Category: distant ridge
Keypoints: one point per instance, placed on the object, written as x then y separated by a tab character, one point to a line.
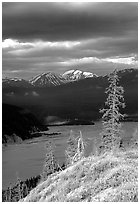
18	121
79	99
48	79
15	82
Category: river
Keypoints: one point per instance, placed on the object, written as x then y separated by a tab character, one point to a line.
26	159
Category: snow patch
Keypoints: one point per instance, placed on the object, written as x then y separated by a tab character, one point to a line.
77	72
34	93
69	72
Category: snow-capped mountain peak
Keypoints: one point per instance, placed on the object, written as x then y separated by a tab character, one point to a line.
89	74
48	79
77	75
69	72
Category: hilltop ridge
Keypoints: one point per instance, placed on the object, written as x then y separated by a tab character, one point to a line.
105	178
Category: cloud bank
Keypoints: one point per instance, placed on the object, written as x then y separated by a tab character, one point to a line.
58	36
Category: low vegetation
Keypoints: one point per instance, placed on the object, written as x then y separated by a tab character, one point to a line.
109	177
20	190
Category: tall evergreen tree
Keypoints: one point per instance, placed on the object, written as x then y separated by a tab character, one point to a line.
50	164
80	148
111	133
71	149
75	149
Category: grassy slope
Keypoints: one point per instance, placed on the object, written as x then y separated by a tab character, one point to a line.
109	177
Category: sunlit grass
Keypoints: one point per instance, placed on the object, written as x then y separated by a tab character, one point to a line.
108	177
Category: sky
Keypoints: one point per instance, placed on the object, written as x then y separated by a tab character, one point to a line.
60	36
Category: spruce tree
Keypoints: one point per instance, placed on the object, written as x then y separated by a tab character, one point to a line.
50	164
111	133
75	149
80	148
19	188
134	139
71	149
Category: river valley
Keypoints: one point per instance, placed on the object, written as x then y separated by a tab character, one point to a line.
26	160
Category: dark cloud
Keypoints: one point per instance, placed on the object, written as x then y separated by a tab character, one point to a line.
61	36
67	21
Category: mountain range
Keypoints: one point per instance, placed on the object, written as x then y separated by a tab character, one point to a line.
50	99
48	79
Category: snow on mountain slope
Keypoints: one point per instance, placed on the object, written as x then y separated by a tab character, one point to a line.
77	75
48	79
89	74
52	79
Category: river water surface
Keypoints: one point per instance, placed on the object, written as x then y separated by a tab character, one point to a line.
26	160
